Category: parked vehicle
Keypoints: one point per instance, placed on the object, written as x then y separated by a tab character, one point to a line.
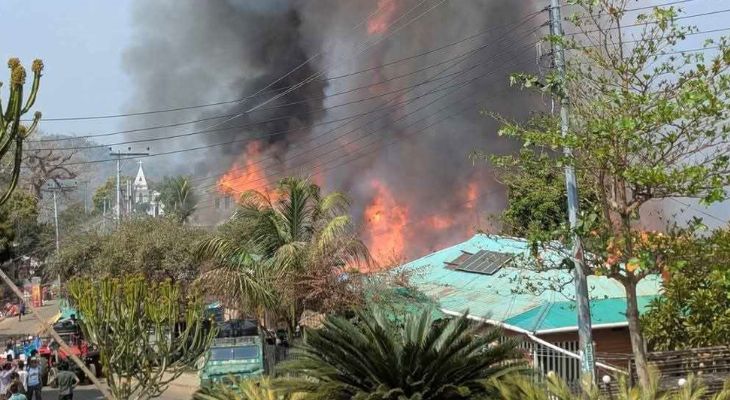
52	353
236	353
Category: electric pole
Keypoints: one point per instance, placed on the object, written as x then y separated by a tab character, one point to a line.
86	192
54	190
585	334
119	155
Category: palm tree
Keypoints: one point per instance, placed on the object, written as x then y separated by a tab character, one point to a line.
178	198
380	358
281	238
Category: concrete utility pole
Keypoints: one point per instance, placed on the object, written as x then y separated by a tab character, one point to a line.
86	193
585	334
54	190
119	155
55	218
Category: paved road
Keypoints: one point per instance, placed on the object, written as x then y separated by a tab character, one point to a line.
11	327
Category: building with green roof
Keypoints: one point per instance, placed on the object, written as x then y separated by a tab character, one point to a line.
483	276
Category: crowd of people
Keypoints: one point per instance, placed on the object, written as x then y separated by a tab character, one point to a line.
21	382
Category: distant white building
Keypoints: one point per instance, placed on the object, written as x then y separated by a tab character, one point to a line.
141	194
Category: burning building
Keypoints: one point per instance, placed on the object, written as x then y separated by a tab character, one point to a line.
378	99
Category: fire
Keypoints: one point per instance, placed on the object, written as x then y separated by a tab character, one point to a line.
472	193
379	22
246	174
440	222
385	223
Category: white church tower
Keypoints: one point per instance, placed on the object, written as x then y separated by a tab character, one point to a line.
141	193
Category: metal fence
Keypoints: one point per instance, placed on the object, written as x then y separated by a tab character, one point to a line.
545	360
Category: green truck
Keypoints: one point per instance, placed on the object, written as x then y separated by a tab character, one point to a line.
232	357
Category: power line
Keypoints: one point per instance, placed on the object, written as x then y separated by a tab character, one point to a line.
244	139
278	106
650	22
699	210
318	74
369	134
437	64
336	77
334	139
359	156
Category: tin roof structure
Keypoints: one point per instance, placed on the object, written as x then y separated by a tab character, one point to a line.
478	276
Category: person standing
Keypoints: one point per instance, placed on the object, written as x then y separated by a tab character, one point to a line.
23	376
6	377
14	392
67	381
33	381
21	312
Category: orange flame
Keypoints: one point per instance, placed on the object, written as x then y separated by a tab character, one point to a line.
385	222
440	222
379	22
246	174
472	193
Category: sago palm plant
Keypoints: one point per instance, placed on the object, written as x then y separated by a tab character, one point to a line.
246	389
377	357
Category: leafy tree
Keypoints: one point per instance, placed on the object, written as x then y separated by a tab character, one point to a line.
157	248
107	192
12	132
536	195
694	309
147	333
178	197
18	225
377	358
282	245
645	124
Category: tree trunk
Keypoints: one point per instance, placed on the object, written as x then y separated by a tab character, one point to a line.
637	338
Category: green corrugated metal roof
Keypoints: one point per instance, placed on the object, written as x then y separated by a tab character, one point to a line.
502	296
562	314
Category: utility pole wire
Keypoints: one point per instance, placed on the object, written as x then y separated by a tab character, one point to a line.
119	158
54	190
321	79
585	333
458	60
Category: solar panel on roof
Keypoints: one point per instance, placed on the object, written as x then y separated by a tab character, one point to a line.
484	262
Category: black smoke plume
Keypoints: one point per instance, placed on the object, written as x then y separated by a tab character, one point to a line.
192	52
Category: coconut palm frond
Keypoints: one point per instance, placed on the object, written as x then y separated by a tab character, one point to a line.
219	248
288	257
244	282
334	203
304	240
254	200
335	229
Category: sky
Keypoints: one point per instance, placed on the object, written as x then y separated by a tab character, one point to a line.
82	43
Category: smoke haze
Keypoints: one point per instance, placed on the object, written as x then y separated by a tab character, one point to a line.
413	189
